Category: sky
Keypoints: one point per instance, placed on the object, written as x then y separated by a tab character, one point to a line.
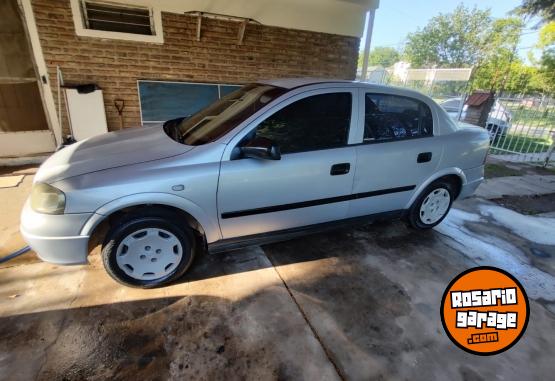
397	18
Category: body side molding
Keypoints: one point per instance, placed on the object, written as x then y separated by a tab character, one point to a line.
306	204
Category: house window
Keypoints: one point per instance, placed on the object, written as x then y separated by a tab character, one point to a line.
117	18
165	100
101	19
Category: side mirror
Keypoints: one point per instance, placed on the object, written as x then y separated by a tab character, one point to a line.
261	148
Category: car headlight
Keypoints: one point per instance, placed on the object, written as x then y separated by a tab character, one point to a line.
47	199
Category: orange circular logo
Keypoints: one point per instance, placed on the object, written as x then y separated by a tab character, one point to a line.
485	310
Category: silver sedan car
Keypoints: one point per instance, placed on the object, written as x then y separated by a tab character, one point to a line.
269	161
499	117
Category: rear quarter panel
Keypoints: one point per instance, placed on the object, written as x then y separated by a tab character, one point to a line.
465	148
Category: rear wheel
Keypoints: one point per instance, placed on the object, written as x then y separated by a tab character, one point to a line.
431	207
148	251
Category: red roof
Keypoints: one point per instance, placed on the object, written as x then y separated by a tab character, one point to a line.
478	98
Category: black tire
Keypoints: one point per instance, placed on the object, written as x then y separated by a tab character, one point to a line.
135	223
413	215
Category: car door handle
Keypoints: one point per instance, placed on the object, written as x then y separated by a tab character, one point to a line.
424	157
340	169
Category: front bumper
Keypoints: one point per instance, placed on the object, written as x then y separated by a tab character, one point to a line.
55	238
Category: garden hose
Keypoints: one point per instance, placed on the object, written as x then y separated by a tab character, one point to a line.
17	253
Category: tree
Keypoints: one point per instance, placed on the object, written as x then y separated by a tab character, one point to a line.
547	35
383	56
499	61
547	61
543	8
470	38
454	39
517	78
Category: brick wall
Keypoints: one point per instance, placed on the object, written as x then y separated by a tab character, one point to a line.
117	65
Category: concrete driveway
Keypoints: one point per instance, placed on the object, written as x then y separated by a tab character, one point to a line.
353	304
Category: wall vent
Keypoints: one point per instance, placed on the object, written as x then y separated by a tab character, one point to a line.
117	18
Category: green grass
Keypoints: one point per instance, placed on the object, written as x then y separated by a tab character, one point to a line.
520	143
498	170
532	116
538	118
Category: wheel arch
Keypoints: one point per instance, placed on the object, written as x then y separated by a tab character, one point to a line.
179	206
454	175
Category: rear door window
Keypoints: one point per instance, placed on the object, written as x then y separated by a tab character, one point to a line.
392	117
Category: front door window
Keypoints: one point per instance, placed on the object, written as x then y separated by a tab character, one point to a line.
312	123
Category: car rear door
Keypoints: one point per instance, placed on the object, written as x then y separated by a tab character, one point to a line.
397	152
311	183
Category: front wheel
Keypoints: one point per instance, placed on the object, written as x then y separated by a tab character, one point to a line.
431	207
148	251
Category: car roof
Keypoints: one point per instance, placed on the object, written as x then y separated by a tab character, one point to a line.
293	83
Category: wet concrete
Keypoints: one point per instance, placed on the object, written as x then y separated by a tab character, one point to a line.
375	302
528	204
239	326
354	304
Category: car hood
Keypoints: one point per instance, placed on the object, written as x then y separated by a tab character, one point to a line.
114	149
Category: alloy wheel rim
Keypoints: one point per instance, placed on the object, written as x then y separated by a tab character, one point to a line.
148	254
435	206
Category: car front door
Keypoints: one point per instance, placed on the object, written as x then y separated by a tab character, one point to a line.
312	181
397	152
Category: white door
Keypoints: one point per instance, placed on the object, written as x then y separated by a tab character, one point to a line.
23	126
311	183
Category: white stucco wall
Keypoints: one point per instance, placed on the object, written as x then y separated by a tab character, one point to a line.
343	17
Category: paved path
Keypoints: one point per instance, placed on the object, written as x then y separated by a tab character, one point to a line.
522	158
527	185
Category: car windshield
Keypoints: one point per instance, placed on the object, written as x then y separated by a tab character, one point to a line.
450	104
225	114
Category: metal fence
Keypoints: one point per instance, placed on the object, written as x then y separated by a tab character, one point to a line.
522	127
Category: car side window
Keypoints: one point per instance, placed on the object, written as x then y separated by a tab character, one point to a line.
392	117
312	123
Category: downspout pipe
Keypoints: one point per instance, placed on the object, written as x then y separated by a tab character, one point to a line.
369	28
